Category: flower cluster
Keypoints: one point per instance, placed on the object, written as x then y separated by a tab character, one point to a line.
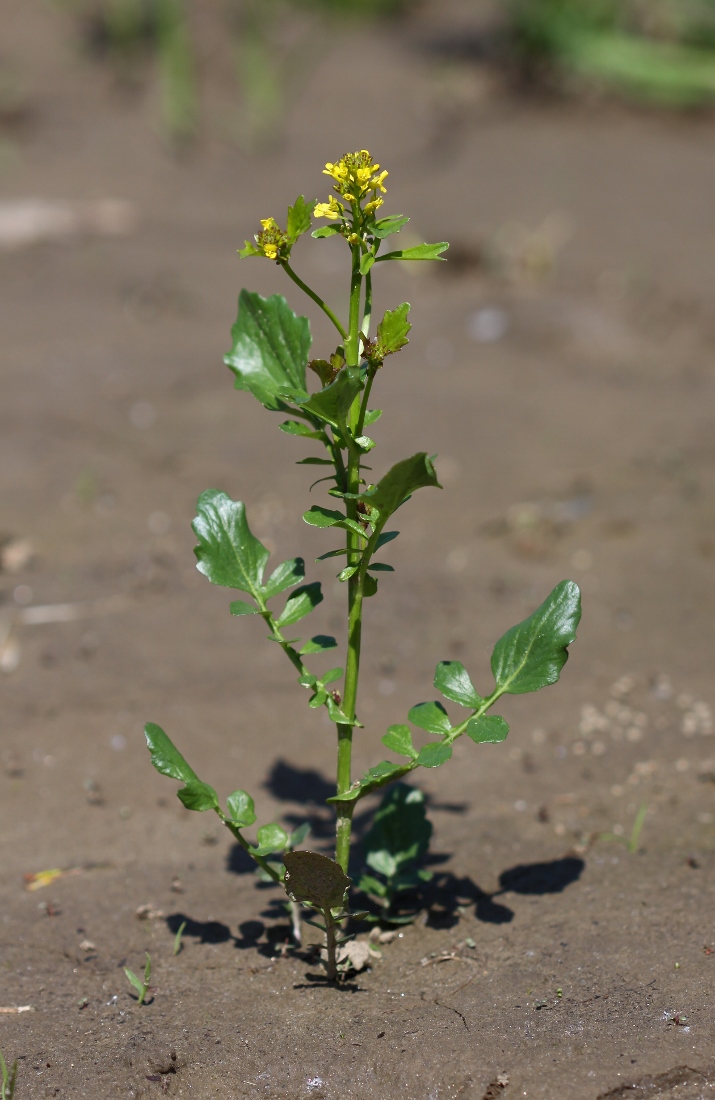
356	177
271	239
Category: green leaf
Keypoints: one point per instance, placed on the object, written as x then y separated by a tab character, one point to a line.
241	809
381	567
369	587
400	482
337	715
431	717
312	461
452	679
531	655
198	796
399	739
372	415
300	603
285	576
136	982
385	227
249	249
400	833
333	554
318	699
298	835
348	572
240	607
316	879
366	262
271	838
392	330
270	348
379	776
294	427
228	553
331	676
165	757
318	644
299	218
317	516
419	252
370	885
490	729
325	231
434	754
364	443
332	403
385	537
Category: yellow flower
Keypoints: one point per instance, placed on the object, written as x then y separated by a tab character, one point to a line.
370	207
271	239
355	175
331	209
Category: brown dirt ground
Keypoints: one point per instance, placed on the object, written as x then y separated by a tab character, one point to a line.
578	444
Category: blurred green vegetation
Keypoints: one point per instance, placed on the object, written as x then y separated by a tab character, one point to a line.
654	51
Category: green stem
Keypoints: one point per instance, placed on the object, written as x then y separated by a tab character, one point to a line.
365	399
316	298
236	833
331	965
367	312
343	827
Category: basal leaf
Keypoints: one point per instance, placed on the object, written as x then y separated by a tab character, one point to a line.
385	227
400	482
399	739
299	218
228	553
241	808
270	348
434	754
393	328
165	757
240	607
490	729
431	717
285	576
316	879
419	252
198	796
318	644
300	603
452	679
531	655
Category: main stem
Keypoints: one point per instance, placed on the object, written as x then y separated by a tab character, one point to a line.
343	827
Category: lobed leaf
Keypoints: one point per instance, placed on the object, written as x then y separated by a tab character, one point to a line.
452	679
270	348
316	879
399	483
393	328
399	739
300	603
490	729
431	717
285	576
419	252
228	553
531	655
241	809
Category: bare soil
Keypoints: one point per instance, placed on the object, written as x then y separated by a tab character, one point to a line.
577	442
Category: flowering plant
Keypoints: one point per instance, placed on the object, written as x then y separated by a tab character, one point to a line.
269	358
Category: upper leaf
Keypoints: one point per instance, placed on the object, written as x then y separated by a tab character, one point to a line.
392	330
299	218
431	717
385	227
241	808
270	348
531	655
228	554
316	879
285	576
165	757
300	603
419	252
400	482
332	403
452	679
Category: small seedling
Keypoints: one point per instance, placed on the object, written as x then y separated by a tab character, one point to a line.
142	987
397	841
631	842
177	938
269	358
9	1079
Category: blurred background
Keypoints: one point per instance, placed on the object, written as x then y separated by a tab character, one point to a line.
561	364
